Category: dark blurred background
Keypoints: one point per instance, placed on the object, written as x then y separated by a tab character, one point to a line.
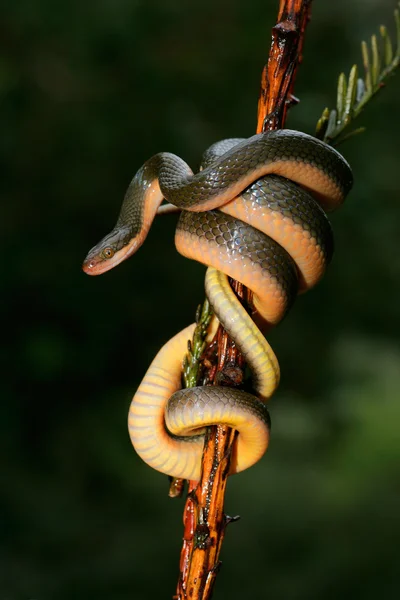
89	91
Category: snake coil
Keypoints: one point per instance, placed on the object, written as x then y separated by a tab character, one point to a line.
270	232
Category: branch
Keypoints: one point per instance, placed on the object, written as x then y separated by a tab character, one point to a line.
204	518
354	93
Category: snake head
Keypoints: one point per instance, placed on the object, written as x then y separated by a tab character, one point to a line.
109	252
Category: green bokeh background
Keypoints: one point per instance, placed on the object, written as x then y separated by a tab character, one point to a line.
90	90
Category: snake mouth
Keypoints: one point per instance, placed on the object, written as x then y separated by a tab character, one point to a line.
98	265
92	267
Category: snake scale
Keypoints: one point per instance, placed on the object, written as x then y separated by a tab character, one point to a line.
255	212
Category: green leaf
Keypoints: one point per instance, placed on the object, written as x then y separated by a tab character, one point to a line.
322	124
341	96
331	125
192	360
376	63
367	66
350	94
387	45
397	20
354	94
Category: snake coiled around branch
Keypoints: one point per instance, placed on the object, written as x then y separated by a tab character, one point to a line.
254	213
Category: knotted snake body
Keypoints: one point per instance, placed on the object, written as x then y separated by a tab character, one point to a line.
271	234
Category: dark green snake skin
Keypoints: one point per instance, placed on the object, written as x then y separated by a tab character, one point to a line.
289	199
240	241
189	402
225	164
185	190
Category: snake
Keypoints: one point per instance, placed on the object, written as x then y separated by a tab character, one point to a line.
255	212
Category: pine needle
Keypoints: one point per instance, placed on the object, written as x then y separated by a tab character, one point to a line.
354	93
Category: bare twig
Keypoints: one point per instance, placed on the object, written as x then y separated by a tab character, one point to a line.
204	518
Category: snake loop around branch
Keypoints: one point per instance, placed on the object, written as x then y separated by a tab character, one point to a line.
253	213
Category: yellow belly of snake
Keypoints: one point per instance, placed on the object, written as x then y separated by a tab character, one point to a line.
271	234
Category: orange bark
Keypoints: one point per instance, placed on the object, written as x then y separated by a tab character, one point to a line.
204	519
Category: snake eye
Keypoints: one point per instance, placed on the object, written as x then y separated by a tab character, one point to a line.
107	253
